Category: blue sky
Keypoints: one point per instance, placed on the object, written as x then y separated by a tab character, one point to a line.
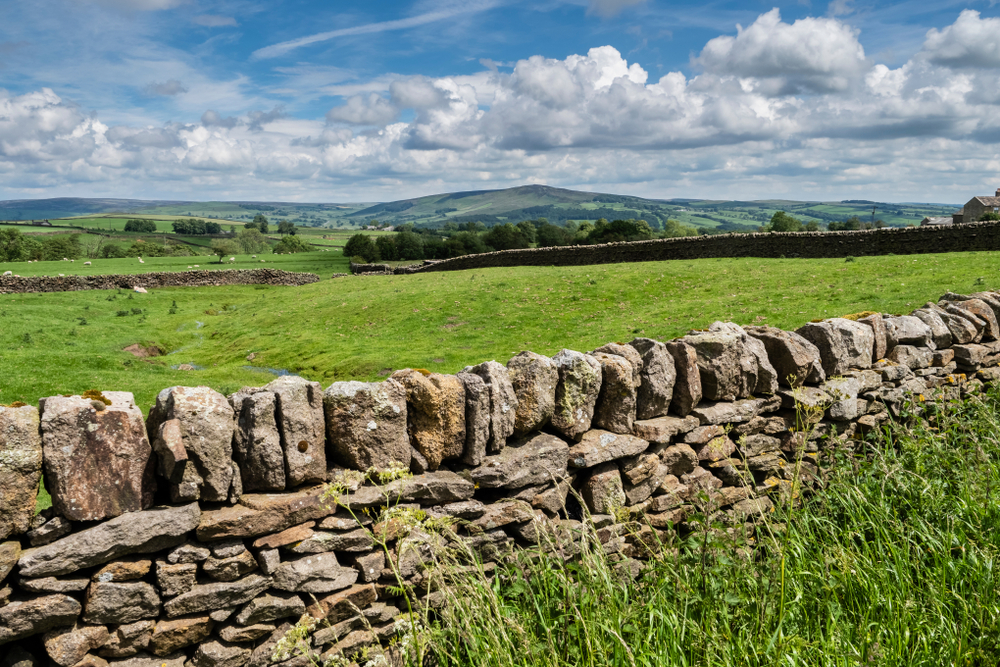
364	101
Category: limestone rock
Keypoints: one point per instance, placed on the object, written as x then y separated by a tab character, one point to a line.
687	387
526	462
145	660
366	424
477	418
220	654
503	513
735	412
114	603
302	428
603	491
679	459
207	427
20	469
795	359
715	449
313	574
236	634
294	534
534	378
18	657
352	541
983	311
911	356
208	597
68	646
10	552
880	344
907	330
98	462
174	464
656	379
599	446
615	409
640	467
53	585
662	429
627	352
264	513
842	344
435	414
128	639
977	323
844	392
731	363
23	619
576	392
172	635
639	491
503	402
271	607
257	445
124	570
940	333
132	533
231	568
176	578
49	531
970	355
188	553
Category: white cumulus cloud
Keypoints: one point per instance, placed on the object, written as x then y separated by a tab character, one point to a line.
971	41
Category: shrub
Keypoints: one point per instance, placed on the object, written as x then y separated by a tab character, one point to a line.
290	244
361	245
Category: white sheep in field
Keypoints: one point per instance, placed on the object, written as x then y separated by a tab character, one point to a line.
140	261
86	263
232	259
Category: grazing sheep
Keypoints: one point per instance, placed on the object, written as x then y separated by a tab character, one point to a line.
8	273
86	263
253	256
140	290
140	261
197	266
232	259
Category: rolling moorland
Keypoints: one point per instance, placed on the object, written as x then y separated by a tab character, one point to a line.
490	207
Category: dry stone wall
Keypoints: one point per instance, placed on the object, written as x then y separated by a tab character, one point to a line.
899	241
12	284
199	536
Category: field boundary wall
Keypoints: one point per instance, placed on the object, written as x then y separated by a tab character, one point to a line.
202	533
13	284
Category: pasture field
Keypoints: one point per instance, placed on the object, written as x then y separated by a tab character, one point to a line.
364	327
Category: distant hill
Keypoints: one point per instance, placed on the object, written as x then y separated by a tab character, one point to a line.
526	202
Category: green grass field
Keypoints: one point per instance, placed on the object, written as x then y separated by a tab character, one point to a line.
363	327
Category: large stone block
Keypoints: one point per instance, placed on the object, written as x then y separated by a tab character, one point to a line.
940	333
113	603
132	533
983	311
527	462
98	462
603	491
209	597
687	388
31	617
68	646
880	344
907	330
656	379
207	426
257	444
615	409
503	402
174	464
534	378
477	418
794	358
263	513
317	573
598	446
842	344
302	428
731	364
576	392
435	414
20	468
366	424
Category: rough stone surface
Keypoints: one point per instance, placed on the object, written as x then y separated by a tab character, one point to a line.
318	573
352	541
23	619
576	392
602	490
842	344
53	585
656	379
124	570
880	343
172	635
639	491
687	387
98	462
239	634
940	333
271	607
961	329
679	459
114	603
294	534
257	445
844	392
231	568
175	578
220	654
912	357
503	402
477	418
133	533
534	378
794	358
732	364
615	410
366	424
174	463
49	531
663	429
435	414
188	553
264	513
734	412
526	462
68	646
598	446
128	639
207	427
208	597
20	468
907	330
145	660
10	552
302	428
985	312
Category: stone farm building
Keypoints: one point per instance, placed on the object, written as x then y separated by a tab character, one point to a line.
976	207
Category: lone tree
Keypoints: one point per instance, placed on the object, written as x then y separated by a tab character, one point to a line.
259	223
285	227
782	222
223	248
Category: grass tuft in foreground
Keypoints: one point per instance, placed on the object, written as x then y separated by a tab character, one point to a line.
893	563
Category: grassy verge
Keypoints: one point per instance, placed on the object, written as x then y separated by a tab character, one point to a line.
363	327
893	563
